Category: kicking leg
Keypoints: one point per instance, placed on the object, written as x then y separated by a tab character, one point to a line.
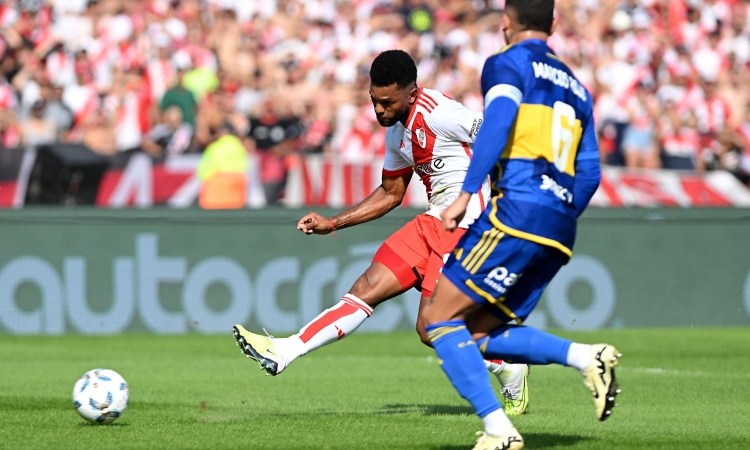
373	287
397	266
376	285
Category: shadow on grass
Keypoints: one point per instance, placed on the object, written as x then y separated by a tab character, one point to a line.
26	403
103	425
534	440
427	410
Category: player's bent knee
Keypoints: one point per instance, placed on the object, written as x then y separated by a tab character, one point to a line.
479	335
376	285
423	333
430	315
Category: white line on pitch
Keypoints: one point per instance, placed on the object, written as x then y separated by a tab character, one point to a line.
681	373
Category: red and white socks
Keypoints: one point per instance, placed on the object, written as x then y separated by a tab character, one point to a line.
331	325
337	322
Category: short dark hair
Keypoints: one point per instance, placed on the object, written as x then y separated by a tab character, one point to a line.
534	15
393	66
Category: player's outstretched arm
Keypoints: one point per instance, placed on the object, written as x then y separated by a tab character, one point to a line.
387	196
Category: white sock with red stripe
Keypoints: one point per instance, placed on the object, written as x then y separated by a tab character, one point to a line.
330	326
495	365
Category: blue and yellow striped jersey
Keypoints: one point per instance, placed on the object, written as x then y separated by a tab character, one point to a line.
550	145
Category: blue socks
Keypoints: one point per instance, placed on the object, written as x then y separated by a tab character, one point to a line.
463	363
525	345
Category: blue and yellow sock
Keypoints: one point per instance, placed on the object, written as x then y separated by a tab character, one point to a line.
461	361
525	345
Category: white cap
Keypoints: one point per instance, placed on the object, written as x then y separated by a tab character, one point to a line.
120	28
621	21
708	66
175	28
182	60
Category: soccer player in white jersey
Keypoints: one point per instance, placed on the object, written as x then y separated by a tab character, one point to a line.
431	135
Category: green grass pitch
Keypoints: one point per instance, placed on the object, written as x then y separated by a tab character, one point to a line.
682	388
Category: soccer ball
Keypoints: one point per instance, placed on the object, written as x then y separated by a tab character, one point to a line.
101	395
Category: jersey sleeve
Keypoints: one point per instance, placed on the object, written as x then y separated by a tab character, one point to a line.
394	164
501	86
501	79
457	122
588	169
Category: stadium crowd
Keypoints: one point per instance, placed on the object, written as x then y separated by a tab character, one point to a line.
670	78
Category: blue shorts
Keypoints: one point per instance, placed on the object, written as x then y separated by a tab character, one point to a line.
505	274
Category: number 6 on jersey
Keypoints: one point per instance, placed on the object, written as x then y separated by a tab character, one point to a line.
566	133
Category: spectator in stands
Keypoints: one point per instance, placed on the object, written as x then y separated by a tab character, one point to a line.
80	97
273	134
172	137
99	133
736	148
639	146
712	113
10	134
28	80
223	172
316	131
128	104
36	129
178	96
216	109
56	110
249	95
681	145
365	140
312	57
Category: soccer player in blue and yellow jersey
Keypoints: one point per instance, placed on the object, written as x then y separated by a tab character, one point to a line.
539	147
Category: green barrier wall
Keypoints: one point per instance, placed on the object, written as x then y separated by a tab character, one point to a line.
176	271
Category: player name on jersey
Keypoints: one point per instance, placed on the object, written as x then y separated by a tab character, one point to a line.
559	78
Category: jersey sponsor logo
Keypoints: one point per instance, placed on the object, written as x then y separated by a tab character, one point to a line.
430	167
403	145
500	279
475	127
467	343
548	184
421	137
559	78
